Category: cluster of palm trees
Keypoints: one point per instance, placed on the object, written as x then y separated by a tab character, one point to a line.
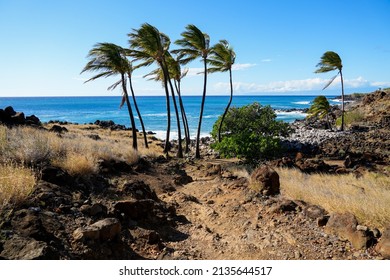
147	46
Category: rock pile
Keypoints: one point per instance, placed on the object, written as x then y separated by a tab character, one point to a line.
10	117
110	125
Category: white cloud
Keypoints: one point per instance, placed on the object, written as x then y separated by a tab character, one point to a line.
242	66
194	71
380	84
266	60
80	79
297	85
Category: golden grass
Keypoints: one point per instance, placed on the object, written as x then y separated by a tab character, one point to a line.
16	183
74	151
77	164
368	197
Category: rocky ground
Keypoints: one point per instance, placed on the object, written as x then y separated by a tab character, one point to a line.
167	208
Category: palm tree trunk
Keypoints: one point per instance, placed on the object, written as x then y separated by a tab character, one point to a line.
133	128
167	143
180	147
342	101
227	107
184	117
138	112
197	151
328	121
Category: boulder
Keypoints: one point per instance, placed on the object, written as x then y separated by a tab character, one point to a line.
135	209
56	175
25	248
18	118
345	226
314	212
9	111
95	209
58	129
313	166
342	225
33	120
113	166
265	180
383	246
283	206
139	190
103	230
36	223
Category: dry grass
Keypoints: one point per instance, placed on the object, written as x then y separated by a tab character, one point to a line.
74	151
78	164
368	197
16	183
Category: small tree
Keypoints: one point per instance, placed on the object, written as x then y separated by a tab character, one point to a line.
222	59
251	132
331	61
320	109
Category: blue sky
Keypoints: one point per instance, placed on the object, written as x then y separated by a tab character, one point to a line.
278	43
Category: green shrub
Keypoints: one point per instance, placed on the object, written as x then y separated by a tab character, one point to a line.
251	132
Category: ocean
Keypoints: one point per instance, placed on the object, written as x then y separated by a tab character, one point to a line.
153	109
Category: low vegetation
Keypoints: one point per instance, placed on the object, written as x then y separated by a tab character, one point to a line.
351	117
366	197
16	183
25	150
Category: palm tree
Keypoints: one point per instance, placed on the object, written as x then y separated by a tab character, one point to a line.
176	74
150	45
129	76
320	109
195	44
222	58
331	61
109	60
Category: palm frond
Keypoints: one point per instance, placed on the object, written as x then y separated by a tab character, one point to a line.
330	81
114	85
194	43
100	75
329	61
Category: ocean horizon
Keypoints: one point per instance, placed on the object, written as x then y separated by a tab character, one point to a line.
88	109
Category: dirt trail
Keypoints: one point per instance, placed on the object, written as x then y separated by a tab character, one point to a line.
228	220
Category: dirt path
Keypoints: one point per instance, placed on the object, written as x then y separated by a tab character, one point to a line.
228	220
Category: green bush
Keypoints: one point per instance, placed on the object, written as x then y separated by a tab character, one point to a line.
251	132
